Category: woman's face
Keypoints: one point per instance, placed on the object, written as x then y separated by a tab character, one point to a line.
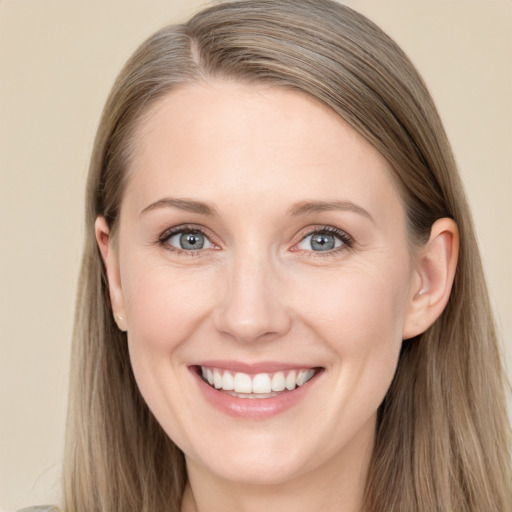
262	243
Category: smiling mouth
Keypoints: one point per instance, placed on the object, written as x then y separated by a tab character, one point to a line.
260	385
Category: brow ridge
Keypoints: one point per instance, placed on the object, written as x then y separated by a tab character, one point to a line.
189	205
309	207
298	209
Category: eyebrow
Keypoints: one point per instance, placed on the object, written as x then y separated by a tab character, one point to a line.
309	207
188	205
298	209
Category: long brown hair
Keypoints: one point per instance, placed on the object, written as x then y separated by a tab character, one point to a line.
442	441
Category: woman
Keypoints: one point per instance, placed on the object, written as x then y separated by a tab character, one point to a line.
281	301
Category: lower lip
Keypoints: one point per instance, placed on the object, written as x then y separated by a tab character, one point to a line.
253	408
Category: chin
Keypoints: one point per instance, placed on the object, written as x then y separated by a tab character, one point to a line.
257	472
257	461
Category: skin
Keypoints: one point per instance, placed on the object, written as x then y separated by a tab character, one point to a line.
260	292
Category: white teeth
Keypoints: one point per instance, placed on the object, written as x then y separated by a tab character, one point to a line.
243	383
303	377
291	380
228	382
217	379
261	383
278	382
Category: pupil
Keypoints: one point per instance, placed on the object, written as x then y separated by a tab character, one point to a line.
322	242
191	241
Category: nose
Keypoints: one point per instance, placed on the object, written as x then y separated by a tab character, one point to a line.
251	306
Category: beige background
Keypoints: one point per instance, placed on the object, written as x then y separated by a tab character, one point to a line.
58	60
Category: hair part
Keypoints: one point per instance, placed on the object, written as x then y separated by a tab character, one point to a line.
442	440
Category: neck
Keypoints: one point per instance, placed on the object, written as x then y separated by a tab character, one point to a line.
336	486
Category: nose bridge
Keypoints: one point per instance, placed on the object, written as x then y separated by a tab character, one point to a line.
252	307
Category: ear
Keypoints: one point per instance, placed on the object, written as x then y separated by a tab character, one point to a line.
433	278
111	263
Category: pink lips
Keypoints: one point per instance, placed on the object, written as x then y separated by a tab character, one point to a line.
246	408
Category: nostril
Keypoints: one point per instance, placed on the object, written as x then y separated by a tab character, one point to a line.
247	336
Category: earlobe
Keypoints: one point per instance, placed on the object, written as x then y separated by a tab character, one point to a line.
111	263
435	271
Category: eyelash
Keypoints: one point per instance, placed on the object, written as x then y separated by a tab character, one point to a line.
345	238
166	235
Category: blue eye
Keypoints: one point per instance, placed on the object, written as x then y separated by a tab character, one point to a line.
188	240
322	241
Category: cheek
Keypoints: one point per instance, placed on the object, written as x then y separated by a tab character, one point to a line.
357	308
164	306
359	315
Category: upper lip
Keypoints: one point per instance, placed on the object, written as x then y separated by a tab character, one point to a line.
254	368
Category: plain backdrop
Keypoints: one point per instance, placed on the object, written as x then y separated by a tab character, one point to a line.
58	60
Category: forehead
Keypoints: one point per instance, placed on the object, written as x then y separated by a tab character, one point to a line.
221	140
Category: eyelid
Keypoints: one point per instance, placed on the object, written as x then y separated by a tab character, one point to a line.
346	239
164	237
343	236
